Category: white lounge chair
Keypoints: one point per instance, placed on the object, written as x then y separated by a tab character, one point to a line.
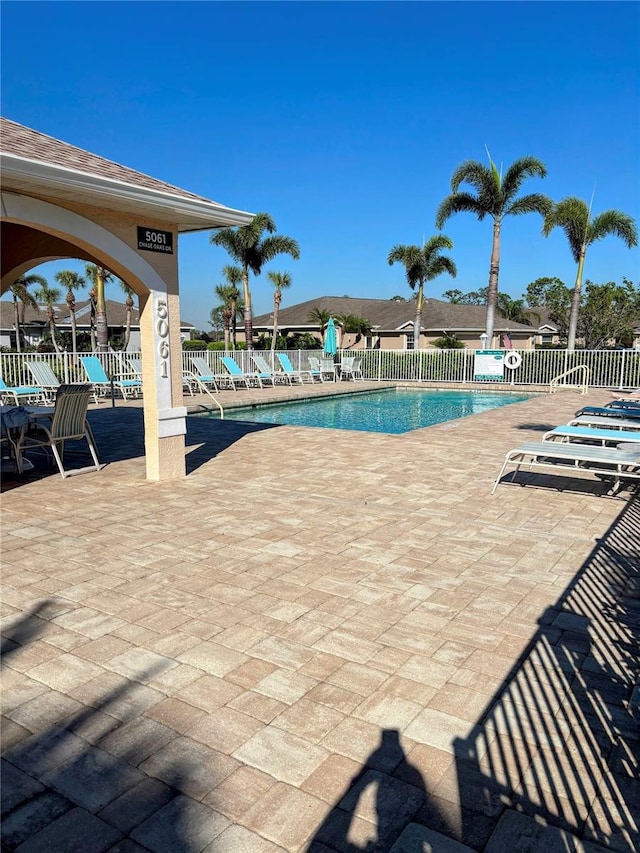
351	368
592	434
45	378
618	464
203	373
606	423
263	367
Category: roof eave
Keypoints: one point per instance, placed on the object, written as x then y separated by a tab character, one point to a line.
190	214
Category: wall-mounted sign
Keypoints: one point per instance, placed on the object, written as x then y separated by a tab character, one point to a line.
154	240
488	364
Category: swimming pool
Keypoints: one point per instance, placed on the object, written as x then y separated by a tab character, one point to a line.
393	411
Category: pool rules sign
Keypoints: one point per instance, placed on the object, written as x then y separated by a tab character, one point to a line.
488	364
154	240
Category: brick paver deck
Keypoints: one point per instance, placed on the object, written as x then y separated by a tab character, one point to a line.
320	640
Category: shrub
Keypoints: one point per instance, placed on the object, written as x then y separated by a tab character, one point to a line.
196	344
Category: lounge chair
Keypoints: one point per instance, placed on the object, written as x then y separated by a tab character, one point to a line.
205	376
189	380
68	423
45	378
289	370
606	423
20	394
592	434
237	375
611	410
102	384
617	464
265	372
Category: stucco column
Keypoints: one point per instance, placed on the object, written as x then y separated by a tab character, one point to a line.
164	414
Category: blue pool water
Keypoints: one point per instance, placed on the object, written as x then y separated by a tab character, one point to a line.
392	411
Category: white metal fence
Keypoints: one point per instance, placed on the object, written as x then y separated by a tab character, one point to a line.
608	368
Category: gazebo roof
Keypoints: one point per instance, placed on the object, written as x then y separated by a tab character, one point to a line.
33	163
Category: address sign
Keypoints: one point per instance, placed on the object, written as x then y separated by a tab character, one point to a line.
154	240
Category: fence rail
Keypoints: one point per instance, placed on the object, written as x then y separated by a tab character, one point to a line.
607	368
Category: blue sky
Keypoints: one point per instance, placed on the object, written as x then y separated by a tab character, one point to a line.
344	121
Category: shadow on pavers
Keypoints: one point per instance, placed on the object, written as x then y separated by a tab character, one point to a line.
553	760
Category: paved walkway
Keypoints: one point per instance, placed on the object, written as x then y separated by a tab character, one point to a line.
320	641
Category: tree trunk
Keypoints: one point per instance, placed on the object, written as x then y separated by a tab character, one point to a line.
248	318
102	330
17	324
127	331
234	317
492	293
575	304
74	341
52	327
92	328
226	325
276	310
418	318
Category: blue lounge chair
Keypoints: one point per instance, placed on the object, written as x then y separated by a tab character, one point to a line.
205	376
102	384
611	411
20	394
584	433
237	375
289	370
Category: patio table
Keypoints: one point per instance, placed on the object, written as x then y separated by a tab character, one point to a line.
14	421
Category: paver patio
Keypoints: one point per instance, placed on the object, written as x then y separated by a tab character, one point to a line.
320	641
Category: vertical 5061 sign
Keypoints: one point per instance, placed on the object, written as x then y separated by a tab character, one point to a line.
162	331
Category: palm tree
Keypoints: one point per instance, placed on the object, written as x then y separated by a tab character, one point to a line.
350	324
50	295
423	263
23	298
280	281
252	251
321	317
495	197
233	279
574	217
99	276
129	305
224	292
513	309
72	281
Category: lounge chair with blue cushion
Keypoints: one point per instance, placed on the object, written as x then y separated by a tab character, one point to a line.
20	394
289	370
611	410
611	463
316	368
237	375
102	384
204	374
592	434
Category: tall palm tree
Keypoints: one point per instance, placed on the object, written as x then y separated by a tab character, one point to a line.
129	306
233	280
280	282
23	298
574	217
422	264
249	248
50	295
495	197
72	281
513	309
99	277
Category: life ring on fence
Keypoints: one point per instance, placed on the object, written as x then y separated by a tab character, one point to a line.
512	359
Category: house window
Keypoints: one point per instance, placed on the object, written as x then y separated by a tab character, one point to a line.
410	342
368	342
546	339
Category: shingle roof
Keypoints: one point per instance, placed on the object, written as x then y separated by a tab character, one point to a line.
30	144
387	315
116	314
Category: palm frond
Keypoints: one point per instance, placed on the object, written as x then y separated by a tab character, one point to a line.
616	223
532	203
518	172
459	203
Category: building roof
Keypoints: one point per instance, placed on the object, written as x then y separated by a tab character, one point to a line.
116	315
36	164
386	315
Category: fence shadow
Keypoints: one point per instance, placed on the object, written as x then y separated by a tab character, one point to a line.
557	742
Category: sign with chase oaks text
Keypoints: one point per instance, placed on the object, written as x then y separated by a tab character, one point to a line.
154	240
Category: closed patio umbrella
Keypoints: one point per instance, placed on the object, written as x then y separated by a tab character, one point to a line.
330	339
